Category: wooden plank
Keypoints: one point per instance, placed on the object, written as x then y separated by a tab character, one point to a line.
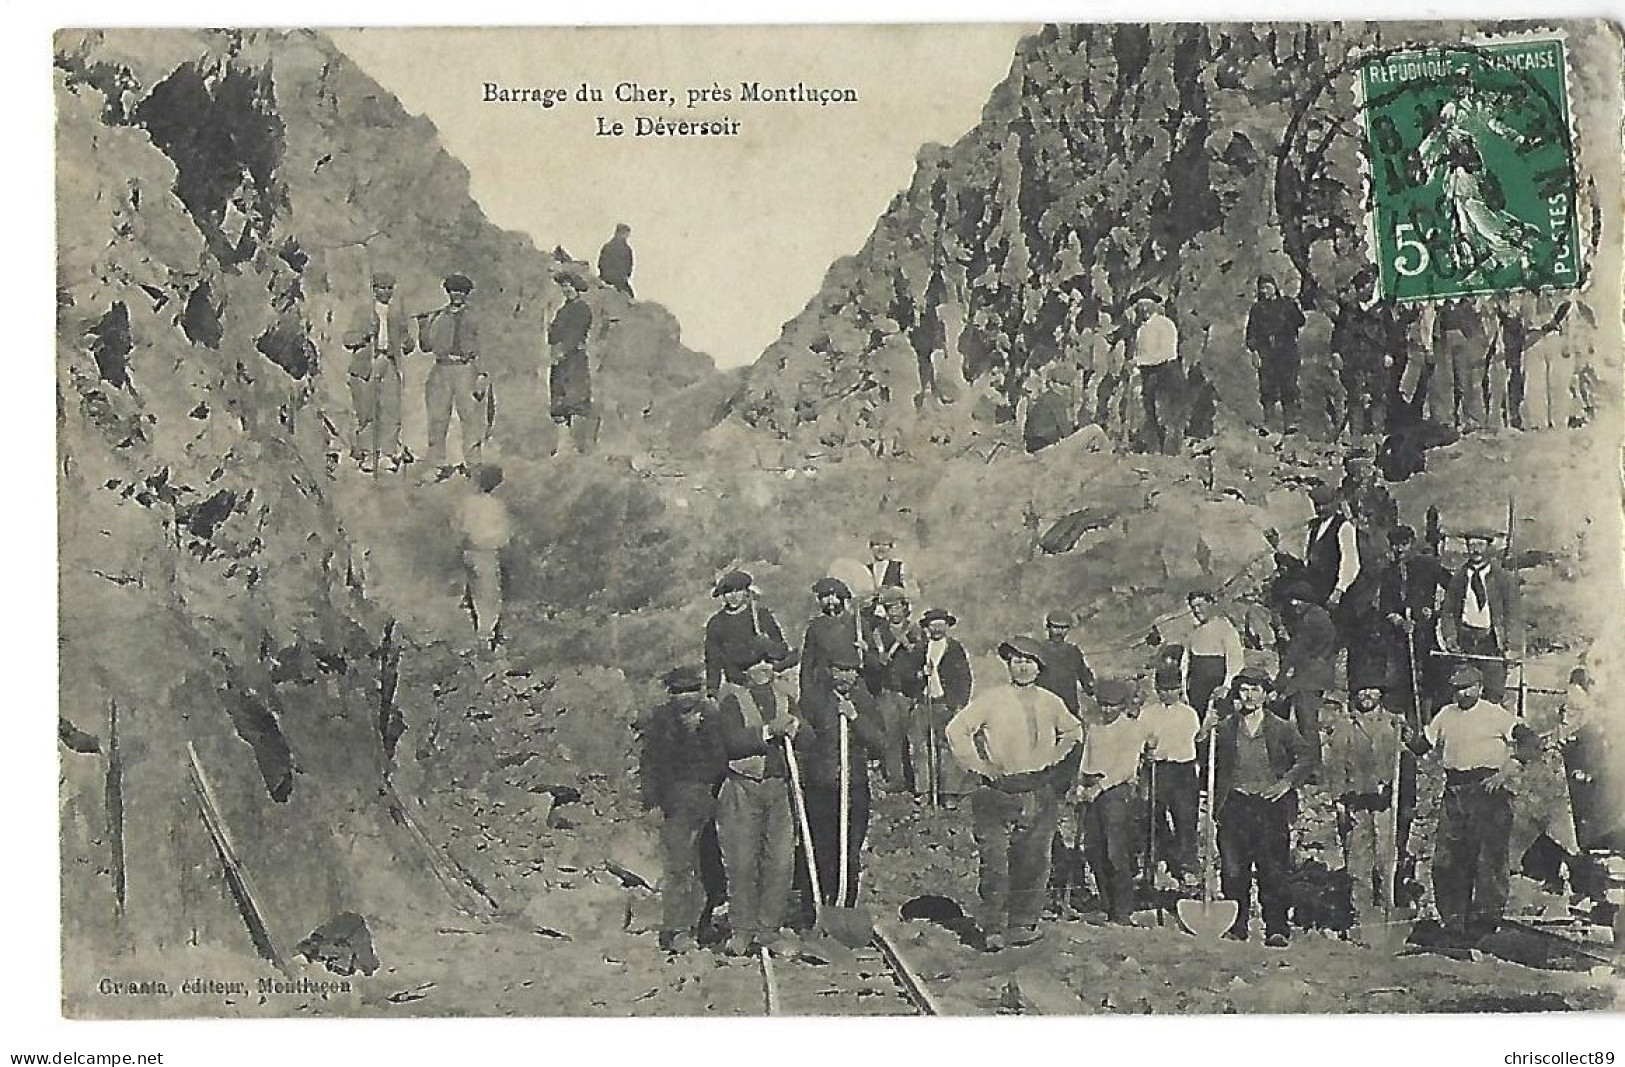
913	986
770	983
466	893
113	798
259	931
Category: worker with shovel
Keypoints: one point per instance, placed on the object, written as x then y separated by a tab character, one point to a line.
846	732
1016	737
1112	748
1361	772
756	722
1259	763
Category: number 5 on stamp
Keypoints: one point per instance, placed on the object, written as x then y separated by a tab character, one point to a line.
1471	169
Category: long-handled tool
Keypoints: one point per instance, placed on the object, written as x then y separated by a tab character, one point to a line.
1208	918
800	799
933	754
1151	838
843	920
1395	930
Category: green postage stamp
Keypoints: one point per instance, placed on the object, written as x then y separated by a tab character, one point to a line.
1472	169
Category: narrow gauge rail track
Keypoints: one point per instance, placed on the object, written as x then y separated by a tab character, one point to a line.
879	977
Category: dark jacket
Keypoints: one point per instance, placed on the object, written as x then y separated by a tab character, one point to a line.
450	336
615	260
1309	661
825	636
1065	672
885	642
1272	327
676	760
1323	556
729	637
570	326
954	670
741	741
1412	587
1502	588
1290	757
865	734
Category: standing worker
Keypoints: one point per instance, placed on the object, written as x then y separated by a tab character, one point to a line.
1171	726
569	377
942	687
1065	672
1156	358
380	339
1112	749
1213	654
887	637
756	720
834	633
683	756
486	529
1477	741
1362	754
1260	762
1016	738
1308	660
837	703
615	261
1273	323
451	335
1481	613
732	632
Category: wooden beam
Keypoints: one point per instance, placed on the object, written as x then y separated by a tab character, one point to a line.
236	877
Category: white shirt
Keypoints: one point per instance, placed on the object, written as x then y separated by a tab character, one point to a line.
1476	612
380	312
1156	341
1348	549
935	648
1112	750
1174	726
1011	730
1469	738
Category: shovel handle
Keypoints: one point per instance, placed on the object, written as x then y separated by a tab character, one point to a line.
846	812
800	798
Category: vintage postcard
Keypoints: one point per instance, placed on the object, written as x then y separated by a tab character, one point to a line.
866	520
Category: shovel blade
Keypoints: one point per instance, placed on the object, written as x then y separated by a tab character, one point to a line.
1206	919
852	927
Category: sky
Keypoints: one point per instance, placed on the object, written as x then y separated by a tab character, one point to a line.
733	235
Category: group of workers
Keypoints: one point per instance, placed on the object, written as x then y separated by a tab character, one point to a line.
380	336
768	745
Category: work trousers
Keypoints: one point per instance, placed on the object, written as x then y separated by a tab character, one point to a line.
758	851
823	814
484	588
892	708
1471	870
1255	842
1548	400
451	386
1174	802
1159	390
1476	642
1456	386
377	403
928	750
682	891
1013	832
1367	855
1304	706
1109	844
1203	676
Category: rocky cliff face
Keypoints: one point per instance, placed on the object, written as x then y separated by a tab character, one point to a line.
1183	161
223	200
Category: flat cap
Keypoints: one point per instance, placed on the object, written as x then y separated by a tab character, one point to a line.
1023	646
383	278
1468	675
1059	617
569	277
732	582
1367	680
1321	493
1168	678
831	586
882	537
1401	535
845	658
940	613
1481	533
458	283
891	594
1112	692
684	679
1255	676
